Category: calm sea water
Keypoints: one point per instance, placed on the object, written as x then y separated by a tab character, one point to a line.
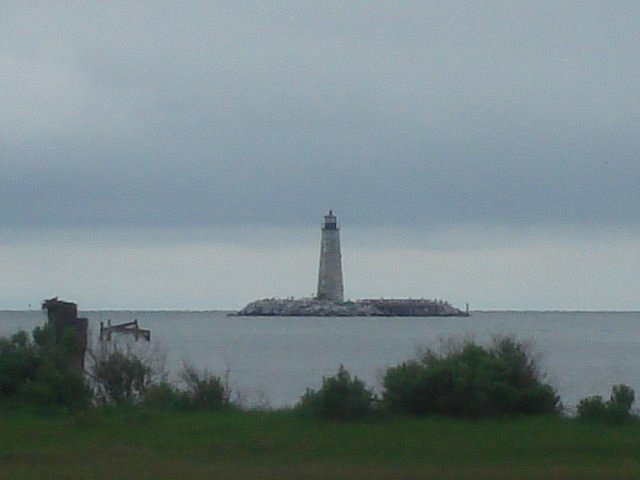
274	359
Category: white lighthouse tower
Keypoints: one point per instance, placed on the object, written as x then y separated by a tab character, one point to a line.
330	273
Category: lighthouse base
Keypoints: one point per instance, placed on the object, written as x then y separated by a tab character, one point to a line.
312	307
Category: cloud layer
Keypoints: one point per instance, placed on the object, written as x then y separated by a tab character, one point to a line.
417	114
165	155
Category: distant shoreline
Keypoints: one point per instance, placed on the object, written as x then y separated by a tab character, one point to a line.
232	310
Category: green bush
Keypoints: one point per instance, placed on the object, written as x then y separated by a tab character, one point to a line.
593	407
164	396
615	410
20	362
340	397
470	381
56	388
122	376
622	398
204	390
36	371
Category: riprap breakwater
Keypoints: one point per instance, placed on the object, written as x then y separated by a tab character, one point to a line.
312	307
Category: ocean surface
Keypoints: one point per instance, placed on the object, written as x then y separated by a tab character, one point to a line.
272	360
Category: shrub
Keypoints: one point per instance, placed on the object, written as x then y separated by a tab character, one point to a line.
340	397
20	361
204	390
56	388
622	398
122	376
163	396
593	407
36	371
470	381
615	410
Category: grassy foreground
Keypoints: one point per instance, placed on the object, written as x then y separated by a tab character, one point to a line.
280	445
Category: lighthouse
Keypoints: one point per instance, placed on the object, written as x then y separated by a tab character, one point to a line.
330	273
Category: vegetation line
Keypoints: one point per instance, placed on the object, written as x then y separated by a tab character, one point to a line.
467	412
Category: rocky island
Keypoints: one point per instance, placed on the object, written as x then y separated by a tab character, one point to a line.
329	301
313	307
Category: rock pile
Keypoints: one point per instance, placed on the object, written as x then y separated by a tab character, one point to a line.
312	307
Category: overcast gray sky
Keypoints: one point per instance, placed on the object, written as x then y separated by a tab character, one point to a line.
181	154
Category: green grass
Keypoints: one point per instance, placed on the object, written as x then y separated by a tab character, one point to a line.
280	445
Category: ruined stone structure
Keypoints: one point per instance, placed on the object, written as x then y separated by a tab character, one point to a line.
330	285
63	317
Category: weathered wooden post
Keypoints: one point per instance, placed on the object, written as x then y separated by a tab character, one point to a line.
63	317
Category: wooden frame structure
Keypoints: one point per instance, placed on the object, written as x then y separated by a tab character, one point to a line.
130	328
